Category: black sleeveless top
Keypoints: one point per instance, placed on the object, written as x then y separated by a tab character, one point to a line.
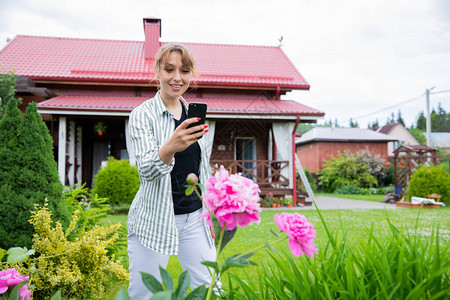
186	161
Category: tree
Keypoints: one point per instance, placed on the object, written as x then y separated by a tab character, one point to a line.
421	123
28	175
336	123
7	90
418	135
439	120
353	124
399	118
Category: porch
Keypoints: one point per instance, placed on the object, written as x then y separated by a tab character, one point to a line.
271	175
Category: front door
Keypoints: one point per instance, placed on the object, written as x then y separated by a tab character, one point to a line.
100	154
246	150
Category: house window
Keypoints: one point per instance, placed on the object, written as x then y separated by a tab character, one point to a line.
395	144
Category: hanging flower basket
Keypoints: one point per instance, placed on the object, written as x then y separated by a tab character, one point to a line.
100	127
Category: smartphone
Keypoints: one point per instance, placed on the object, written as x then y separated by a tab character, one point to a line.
197	110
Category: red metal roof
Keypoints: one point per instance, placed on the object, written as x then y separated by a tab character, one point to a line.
50	58
215	106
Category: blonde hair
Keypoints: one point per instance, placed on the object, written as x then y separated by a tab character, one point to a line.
186	57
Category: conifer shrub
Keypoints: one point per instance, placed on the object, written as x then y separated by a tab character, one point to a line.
28	175
429	180
118	181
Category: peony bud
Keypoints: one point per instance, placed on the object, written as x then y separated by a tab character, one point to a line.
192	179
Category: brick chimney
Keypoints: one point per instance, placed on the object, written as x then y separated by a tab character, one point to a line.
152	31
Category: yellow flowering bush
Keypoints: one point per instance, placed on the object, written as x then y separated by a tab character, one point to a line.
80	267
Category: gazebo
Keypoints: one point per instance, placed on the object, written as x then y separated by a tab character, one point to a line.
407	159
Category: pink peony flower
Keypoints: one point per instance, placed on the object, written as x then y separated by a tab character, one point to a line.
11	278
233	199
300	232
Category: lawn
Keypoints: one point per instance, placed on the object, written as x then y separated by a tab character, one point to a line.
375	198
352	222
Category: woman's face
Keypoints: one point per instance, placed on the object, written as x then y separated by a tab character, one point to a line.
174	77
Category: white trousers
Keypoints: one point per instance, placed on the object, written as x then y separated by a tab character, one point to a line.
194	248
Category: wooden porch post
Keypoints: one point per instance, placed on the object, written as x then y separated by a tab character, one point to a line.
294	174
62	149
71	152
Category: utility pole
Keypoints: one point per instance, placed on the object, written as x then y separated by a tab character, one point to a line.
428	123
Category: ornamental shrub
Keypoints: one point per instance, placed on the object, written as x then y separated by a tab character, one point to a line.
375	165
28	175
429	180
344	169
118	181
81	268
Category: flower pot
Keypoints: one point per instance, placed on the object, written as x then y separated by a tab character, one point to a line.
100	133
274	205
289	205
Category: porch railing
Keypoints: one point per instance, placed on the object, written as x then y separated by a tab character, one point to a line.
266	173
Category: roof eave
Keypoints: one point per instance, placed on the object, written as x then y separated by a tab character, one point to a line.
148	82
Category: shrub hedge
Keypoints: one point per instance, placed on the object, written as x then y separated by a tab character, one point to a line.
429	180
118	181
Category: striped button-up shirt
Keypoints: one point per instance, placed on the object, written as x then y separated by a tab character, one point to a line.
151	216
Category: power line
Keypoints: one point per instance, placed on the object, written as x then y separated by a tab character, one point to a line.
440	92
384	109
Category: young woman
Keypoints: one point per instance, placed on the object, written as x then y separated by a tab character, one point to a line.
162	220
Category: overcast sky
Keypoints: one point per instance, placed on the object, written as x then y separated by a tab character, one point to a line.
359	56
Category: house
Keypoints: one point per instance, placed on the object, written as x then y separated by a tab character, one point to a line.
440	140
321	143
83	84
399	132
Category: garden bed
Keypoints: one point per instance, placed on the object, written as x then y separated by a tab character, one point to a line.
406	204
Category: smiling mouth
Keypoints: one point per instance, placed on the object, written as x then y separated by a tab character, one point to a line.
176	86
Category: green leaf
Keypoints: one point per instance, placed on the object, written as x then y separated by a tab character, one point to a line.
227	236
2	253
189	190
237	261
163	295
18	254
197	294
122	295
274	233
151	283
14	293
212	264
184	280
166	279
267	245
56	296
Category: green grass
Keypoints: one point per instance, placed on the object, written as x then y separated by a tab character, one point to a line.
353	221
375	198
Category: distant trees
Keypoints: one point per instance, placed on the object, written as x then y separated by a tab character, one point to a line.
353	124
440	120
